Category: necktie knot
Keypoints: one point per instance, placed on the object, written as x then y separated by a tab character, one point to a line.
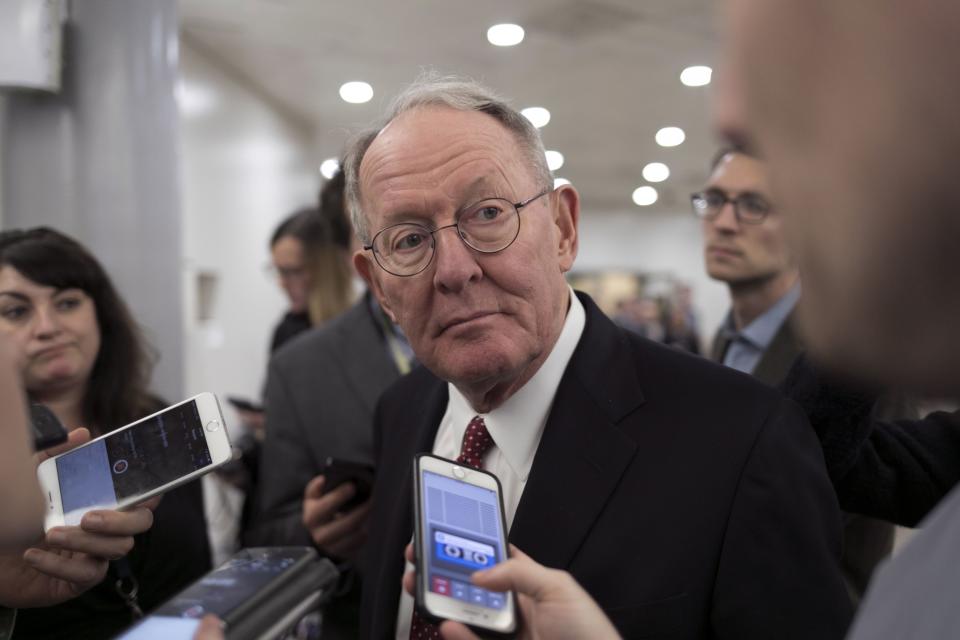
476	443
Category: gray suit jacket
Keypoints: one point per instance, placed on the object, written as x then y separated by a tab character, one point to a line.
322	388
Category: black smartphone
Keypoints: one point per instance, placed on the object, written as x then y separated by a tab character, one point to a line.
245	405
258	593
47	430
459	528
337	471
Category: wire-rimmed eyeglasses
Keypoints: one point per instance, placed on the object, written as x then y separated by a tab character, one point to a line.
488	226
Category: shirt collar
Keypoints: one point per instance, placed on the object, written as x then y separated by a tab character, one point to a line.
764	327
517	424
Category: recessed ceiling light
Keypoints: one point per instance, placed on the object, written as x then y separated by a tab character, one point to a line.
539	116
670	137
329	167
554	160
356	92
559	182
505	35
644	196
698	76
656	172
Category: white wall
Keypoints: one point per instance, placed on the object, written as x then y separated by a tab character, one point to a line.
654	242
245	165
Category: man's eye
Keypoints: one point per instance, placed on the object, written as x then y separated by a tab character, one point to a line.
408	241
754	205
715	200
487	214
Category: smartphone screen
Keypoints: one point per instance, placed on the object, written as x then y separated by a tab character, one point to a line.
219	592
463	532
130	462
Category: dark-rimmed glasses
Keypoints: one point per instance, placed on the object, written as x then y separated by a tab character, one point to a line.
488	226
749	208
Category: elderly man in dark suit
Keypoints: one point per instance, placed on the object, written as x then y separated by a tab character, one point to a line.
688	499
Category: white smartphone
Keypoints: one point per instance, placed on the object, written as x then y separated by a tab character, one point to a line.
459	529
136	462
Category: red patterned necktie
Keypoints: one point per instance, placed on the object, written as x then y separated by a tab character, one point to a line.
476	443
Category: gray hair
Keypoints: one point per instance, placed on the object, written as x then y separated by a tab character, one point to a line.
456	93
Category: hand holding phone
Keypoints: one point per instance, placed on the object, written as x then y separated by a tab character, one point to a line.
134	463
70	560
459	529
335	532
552	603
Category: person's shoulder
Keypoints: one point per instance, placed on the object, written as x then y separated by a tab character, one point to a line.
307	346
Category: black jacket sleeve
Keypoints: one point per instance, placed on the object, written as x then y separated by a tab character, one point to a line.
892	470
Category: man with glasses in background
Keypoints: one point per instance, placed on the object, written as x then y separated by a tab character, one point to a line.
688	499
746	247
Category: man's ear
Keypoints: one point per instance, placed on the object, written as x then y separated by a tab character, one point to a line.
370	272
566	218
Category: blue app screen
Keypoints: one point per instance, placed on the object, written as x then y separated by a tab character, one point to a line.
464	531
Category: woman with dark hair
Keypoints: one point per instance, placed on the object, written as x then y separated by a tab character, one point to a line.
85	358
309	254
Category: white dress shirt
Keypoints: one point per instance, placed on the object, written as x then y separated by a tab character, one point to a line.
515	426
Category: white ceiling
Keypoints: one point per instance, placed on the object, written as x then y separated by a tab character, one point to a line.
608	71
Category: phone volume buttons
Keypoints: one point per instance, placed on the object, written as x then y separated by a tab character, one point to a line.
213	425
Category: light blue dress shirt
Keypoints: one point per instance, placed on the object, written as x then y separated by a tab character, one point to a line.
748	345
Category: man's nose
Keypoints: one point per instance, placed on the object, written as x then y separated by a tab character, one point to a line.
726	220
456	263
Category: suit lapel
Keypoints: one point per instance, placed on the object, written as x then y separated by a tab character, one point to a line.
582	453
779	356
412	430
367	366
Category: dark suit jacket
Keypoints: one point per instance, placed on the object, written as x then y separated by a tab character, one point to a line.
688	499
322	388
866	541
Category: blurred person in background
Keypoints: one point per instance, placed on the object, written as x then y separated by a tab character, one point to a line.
307	254
322	389
746	247
83	356
310	254
681	324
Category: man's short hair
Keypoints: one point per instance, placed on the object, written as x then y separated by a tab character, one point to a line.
456	93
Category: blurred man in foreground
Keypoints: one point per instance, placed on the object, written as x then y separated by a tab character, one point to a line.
824	90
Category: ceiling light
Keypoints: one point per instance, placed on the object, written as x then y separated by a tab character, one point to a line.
554	160
656	172
356	92
559	182
698	76
505	35
644	196
539	116
329	168
670	136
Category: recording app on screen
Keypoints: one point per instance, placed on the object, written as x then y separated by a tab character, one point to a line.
463	525
132	461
